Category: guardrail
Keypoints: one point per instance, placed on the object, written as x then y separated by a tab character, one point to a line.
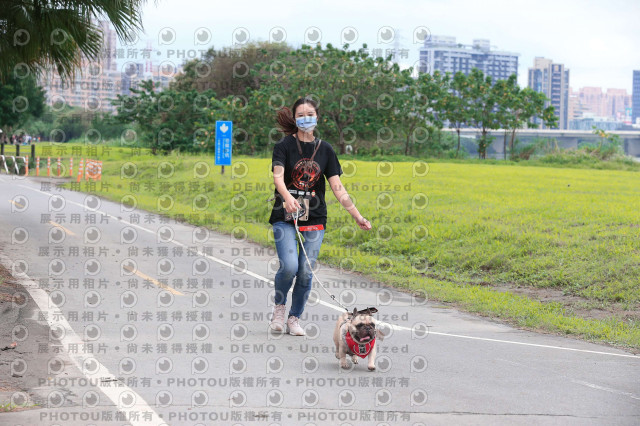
88	169
4	163
14	159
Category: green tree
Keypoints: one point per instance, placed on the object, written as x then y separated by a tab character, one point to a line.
167	119
416	104
528	105
71	123
518	107
21	100
484	114
256	129
348	84
107	126
248	135
40	33
507	92
227	71
455	105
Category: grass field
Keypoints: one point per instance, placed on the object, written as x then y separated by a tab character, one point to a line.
552	249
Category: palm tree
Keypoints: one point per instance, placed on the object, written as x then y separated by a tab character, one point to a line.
44	33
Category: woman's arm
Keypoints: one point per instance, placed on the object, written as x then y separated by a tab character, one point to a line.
343	197
291	204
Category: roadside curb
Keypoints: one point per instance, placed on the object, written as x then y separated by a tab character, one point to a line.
18	316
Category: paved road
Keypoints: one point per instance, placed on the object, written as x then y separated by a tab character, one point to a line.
158	322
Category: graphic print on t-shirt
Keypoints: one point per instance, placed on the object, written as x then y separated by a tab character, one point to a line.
305	174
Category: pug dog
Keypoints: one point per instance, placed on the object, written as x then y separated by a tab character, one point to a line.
355	334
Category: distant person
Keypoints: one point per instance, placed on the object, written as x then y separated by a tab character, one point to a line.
300	164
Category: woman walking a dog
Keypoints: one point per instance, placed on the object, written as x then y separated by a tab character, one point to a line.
300	164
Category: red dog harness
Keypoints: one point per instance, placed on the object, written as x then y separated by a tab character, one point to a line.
360	349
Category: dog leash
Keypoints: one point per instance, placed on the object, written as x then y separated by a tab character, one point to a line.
295	221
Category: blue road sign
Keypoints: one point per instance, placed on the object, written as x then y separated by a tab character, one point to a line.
224	130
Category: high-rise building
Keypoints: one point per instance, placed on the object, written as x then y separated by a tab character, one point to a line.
93	84
132	75
610	104
593	100
134	72
591	105
635	101
98	80
442	53
616	103
552	80
108	57
577	108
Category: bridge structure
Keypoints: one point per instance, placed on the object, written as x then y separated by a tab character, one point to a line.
630	139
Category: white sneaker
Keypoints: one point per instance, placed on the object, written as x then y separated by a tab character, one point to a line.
277	319
294	326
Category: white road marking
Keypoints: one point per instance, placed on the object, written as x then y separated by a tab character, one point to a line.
606	389
55	318
549	371
329	305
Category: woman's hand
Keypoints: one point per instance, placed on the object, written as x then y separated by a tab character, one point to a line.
363	223
292	205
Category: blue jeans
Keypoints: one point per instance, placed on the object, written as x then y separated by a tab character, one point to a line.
294	264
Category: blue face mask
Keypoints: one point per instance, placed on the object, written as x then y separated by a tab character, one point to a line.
307	123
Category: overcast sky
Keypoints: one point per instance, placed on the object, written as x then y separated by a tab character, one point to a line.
599	41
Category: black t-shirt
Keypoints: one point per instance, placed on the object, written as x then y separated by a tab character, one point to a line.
302	181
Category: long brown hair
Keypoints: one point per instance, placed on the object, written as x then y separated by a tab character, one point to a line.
285	117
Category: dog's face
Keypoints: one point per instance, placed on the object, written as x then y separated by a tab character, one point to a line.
362	328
